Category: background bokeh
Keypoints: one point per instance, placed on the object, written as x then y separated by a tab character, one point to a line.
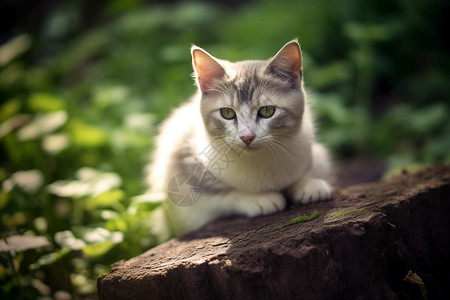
83	85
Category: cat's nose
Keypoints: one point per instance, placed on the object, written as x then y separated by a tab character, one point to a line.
247	139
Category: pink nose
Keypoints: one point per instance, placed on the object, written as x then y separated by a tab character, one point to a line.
247	139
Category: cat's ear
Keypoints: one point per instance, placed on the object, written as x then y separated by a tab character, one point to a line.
207	69
287	64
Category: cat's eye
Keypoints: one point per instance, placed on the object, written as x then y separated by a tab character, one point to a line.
227	113
266	111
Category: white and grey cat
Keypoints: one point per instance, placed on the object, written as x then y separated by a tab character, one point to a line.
243	142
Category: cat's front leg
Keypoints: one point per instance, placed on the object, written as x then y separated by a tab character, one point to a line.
309	190
256	204
211	206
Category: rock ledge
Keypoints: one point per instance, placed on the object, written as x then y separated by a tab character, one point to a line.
384	240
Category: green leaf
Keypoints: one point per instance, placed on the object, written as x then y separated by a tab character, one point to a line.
90	182
367	32
337	72
86	135
98	240
29	181
91	241
147	202
98	249
429	119
106	199
11	124
4	199
49	259
20	243
67	240
55	143
98	235
13	48
42	124
10	108
116	223
108	95
331	107
45	102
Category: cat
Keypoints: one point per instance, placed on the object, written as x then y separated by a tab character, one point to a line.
242	144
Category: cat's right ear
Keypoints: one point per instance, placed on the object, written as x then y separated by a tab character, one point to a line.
207	69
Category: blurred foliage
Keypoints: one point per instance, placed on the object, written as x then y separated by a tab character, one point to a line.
79	107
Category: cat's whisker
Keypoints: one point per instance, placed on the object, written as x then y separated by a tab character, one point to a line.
273	153
217	145
281	146
279	156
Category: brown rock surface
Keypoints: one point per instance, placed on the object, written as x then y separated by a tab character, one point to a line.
362	246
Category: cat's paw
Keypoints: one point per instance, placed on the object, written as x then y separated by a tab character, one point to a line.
313	190
265	204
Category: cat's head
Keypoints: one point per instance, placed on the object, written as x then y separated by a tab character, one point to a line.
251	103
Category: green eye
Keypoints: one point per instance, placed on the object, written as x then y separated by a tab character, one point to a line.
266	111
227	113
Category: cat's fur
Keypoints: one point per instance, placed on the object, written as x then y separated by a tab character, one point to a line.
246	165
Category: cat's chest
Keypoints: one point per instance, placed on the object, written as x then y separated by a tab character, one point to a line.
257	172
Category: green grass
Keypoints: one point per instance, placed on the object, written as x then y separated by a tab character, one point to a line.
303	219
355	212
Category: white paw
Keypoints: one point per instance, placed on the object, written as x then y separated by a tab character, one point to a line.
265	204
313	190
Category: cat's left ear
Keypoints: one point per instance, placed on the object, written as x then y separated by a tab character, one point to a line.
287	64
207	69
